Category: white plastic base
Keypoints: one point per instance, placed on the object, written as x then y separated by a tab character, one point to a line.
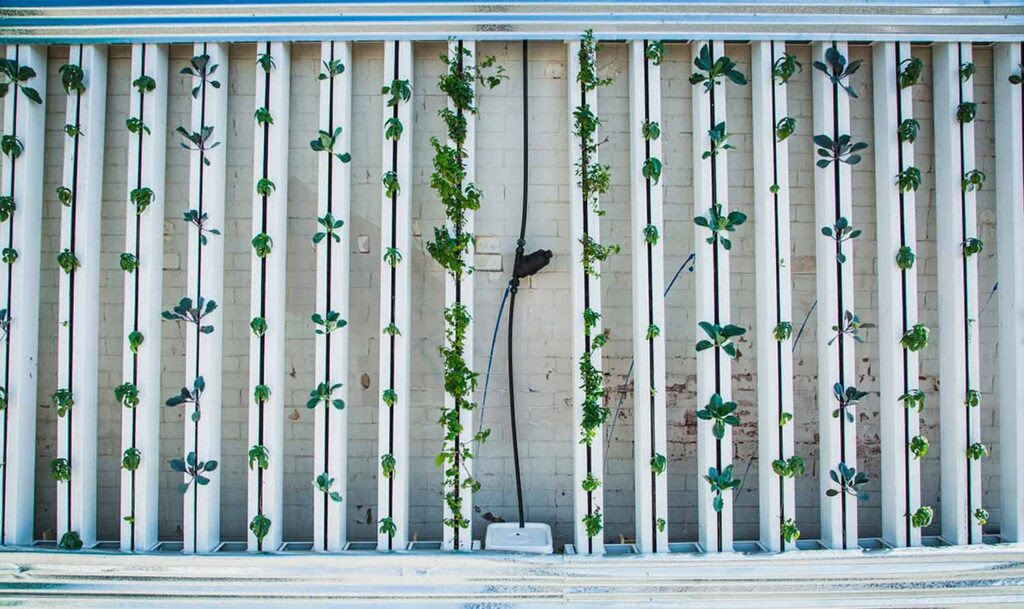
533	537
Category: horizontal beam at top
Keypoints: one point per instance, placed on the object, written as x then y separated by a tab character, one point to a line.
57	21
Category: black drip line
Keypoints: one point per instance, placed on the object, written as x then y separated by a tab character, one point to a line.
263	291
778	302
650	308
585	191
905	308
967	322
837	196
327	298
715	290
394	280
136	280
10	318
71	290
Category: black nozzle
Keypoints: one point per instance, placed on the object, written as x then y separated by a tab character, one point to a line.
531	263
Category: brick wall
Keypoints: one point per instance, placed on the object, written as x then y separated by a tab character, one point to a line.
543	365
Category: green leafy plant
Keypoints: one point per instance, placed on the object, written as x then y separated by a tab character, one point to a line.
7	207
127	394
198	141
393	129
131	459
790	468
651	130
981	516
330	227
1016	79
184	311
915	398
141	198
785	128
658	464
262	244
967	70
325	324
655	52
595	253
72	78
70	540
718	138
261	393
842	150
129	262
911	70
68	261
260	527
651	169
266	62
63	401
259	457
838	70
790	532
387	465
11	146
921	517
909	179
721	482
653	331
9	255
850	482
972	180
136	125
390	397
195	470
135	339
65	195
719	224
977	451
711	72
785	418
651	235
332	68
391	330
973	399
783	330
850	326
397	91
908	130
3	399
965	112
144	84
841	232
846	397
325	142
324	394
391	186
60	470
786	67
200	68
199	220
905	258
919	446
323	483
592	522
915	338
721	337
265	187
17	76
259	326
971	247
73	130
387	526
190	396
720	413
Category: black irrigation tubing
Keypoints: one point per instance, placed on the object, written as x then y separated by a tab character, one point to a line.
199	297
586	292
650	308
394	278
904	304
967	321
71	286
715	288
136	280
837	195
10	317
263	292
458	301
778	302
327	298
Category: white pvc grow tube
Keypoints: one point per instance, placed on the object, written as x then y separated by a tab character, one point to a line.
395	308
774	291
78	308
330	443
648	304
267	302
205	284
897	297
143	299
959	370
836	363
22	180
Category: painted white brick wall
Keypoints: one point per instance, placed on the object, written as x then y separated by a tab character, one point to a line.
543	366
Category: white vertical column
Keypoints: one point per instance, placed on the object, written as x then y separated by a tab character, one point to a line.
463	540
81	198
588	459
958	296
330	442
649	423
1010	257
836	363
267	300
897	296
20	235
143	261
774	291
205	280
395	305
714	367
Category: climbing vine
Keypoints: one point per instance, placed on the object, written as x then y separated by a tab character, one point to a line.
452	242
834	150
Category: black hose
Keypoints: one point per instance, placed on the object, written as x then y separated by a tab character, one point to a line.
514	283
